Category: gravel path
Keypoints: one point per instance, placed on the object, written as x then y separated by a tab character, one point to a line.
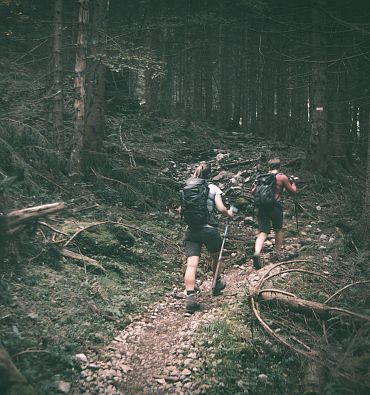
156	354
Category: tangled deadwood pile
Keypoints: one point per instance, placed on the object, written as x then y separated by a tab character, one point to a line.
311	328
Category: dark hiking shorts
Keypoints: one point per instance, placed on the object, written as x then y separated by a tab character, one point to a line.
196	237
270	218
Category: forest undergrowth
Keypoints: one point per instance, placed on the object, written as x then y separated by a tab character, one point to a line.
122	217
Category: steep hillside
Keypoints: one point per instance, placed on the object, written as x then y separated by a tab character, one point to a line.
112	319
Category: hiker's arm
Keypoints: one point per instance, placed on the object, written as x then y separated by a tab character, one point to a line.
222	208
253	190
290	187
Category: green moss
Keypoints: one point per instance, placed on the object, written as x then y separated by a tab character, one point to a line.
108	240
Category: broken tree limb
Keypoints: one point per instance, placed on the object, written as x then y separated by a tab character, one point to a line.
52	228
86	260
308	307
299	271
35	212
15	221
289	340
344	288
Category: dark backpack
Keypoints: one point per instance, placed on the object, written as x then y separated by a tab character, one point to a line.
265	190
194	198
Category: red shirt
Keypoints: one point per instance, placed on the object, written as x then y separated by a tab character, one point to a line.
282	181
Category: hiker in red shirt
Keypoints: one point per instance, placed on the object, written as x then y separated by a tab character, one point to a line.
272	216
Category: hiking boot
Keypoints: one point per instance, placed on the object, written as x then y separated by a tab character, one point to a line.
191	304
257	262
219	286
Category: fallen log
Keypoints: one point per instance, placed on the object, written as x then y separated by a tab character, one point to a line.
12	382
307	306
15	221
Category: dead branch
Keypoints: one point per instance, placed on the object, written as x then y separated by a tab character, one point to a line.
302	306
296	270
270	269
278	291
86	260
308	307
51	228
312	355
344	288
82	230
254	305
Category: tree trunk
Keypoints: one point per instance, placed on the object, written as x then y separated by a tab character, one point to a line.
80	87
253	84
208	72
95	119
282	102
244	84
267	91
166	85
338	117
316	156
364	108
238	79
152	81
197	80
364	223
58	77
259	87
224	59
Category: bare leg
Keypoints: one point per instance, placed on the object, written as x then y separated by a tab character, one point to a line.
261	238
279	236
190	273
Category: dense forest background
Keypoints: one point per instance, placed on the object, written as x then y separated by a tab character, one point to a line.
105	104
290	71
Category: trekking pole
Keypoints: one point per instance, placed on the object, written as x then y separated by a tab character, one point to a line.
218	267
296	214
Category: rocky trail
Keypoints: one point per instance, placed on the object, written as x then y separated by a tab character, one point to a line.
160	351
156	354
